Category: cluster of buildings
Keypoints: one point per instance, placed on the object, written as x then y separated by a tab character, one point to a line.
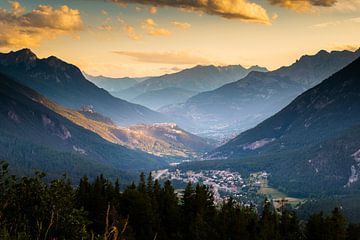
223	183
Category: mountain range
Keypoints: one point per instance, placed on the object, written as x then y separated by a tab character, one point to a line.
113	85
311	147
55	120
184	84
64	84
240	105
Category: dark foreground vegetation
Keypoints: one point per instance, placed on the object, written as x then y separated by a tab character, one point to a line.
33	209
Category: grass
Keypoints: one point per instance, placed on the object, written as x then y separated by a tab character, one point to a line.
279	198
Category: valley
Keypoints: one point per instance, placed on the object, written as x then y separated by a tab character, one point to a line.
249	190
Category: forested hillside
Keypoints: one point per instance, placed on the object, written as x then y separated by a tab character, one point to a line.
32	209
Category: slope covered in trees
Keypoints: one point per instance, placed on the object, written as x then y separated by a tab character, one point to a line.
32	209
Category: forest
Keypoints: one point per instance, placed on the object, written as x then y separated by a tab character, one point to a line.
33	208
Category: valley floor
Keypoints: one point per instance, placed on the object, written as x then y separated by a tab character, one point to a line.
249	190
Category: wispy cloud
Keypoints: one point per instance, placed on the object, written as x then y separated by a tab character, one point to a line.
180	58
349	47
153	10
106	25
129	30
21	29
182	25
231	9
336	23
303	5
347	6
152	29
131	33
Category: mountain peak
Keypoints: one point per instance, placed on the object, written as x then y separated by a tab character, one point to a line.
56	62
258	68
24	53
22	56
322	52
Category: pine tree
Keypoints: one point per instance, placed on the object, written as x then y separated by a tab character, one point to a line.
337	225
269	223
316	228
289	226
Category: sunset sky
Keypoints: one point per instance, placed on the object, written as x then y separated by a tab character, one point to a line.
151	37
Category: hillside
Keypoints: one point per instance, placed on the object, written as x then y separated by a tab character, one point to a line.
165	140
64	84
33	136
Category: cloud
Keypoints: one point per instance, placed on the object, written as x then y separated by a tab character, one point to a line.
129	30
106	25
17	9
149	23
337	23
349	47
347	5
153	10
182	25
21	29
151	28
275	16
303	5
131	33
181	58
231	9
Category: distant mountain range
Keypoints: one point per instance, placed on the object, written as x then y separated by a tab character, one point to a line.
243	104
312	146
194	80
34	136
64	83
113	85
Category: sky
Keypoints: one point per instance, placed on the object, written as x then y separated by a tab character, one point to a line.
138	38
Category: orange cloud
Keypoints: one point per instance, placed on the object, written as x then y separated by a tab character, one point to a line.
181	58
303	5
153	10
17	9
105	27
131	33
20	29
337	23
151	27
231	9
349	47
182	25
